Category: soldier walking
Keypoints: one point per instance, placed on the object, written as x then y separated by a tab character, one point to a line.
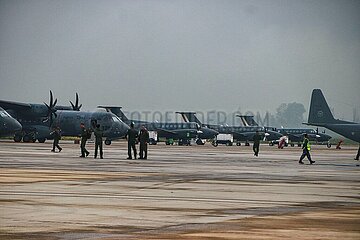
306	150
57	136
131	136
84	137
144	140
98	141
256	147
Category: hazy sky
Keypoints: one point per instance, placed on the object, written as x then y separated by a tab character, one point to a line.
181	55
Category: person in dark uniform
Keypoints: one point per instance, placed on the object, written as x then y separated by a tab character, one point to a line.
98	141
131	136
84	137
256	147
358	154
57	136
144	140
306	150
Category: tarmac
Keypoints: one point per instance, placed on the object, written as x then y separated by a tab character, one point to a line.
180	192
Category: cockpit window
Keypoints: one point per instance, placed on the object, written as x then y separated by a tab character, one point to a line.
115	119
4	114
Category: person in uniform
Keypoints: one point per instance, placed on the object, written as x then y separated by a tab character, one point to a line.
56	133
144	140
306	150
358	154
84	137
98	141
256	147
131	136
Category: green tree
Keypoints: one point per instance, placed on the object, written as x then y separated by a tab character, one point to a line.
290	114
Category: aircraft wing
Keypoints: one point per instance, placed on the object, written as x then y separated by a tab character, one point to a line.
14	105
166	131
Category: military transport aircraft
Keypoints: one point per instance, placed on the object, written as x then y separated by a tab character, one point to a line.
183	132
8	124
37	120
295	135
321	116
240	133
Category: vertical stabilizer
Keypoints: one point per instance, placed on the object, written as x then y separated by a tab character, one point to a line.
319	110
189	117
248	120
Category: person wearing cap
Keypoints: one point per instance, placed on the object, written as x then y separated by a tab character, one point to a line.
84	137
57	136
131	136
98	141
144	140
306	150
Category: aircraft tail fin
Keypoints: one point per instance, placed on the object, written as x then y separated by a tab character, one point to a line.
189	117
248	120
117	111
319	109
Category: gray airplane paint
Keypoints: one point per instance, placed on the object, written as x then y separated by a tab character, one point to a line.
8	124
37	120
320	115
240	133
294	134
187	130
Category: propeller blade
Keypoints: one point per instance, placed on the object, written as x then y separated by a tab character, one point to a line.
54	103
51	98
47	105
77	100
76	106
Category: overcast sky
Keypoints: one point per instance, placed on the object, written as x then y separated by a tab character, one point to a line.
181	55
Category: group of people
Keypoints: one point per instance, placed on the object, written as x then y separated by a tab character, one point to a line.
305	147
143	138
132	136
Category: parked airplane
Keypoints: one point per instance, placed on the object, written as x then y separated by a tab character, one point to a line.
8	124
240	133
295	135
320	115
183	132
37	120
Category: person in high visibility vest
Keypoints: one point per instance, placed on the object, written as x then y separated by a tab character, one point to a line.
306	150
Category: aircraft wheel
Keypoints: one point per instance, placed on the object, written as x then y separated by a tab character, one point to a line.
27	138
107	142
238	144
17	138
215	144
41	140
33	140
299	144
247	144
292	144
271	144
328	145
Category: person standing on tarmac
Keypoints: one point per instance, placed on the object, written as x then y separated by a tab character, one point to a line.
306	150
256	147
98	141
84	137
144	140
358	154
57	136
131	136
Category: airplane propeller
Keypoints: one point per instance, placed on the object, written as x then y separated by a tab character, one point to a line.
76	106
51	109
